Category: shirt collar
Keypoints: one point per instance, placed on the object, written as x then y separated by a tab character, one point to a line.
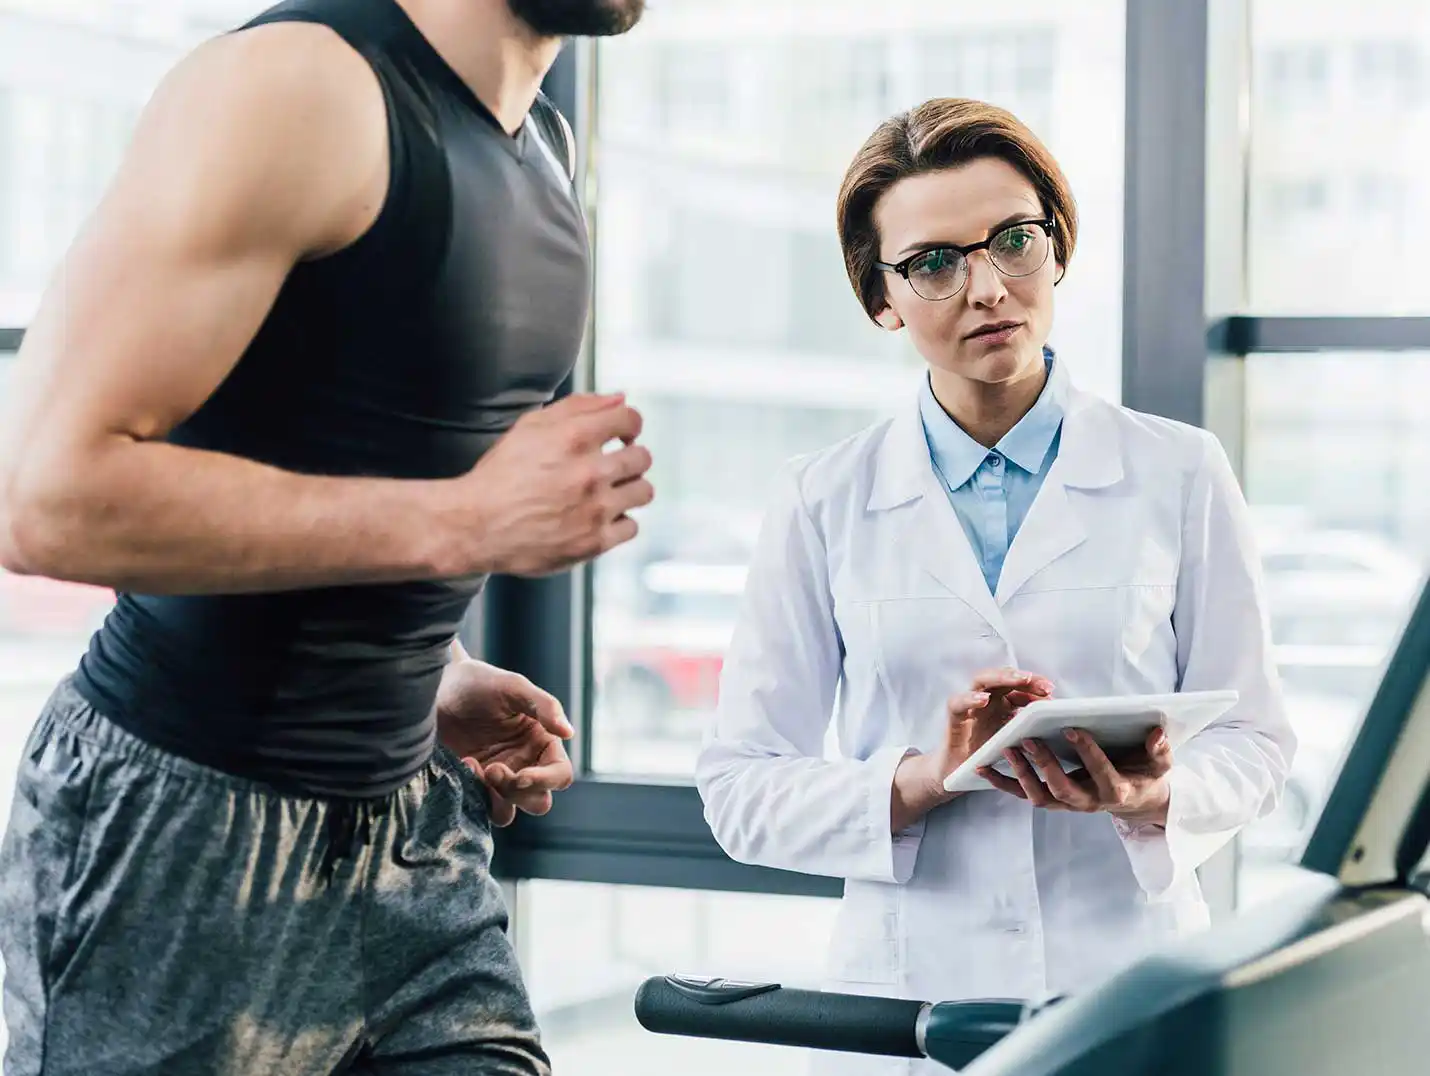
958	456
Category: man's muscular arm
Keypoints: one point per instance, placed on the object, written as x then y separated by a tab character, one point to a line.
262	149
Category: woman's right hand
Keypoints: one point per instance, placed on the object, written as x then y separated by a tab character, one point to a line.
971	717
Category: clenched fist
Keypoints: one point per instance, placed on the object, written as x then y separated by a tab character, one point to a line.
548	495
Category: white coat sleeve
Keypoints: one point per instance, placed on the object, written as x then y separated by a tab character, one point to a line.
1234	771
771	797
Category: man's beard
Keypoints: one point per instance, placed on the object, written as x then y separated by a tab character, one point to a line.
578	18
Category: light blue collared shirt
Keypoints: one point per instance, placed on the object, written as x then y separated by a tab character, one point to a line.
991	490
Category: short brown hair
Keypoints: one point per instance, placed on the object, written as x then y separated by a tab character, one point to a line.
942	133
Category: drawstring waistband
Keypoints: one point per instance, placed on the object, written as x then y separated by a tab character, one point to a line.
349	830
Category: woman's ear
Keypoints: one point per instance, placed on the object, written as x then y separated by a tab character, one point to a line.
889	320
1062	272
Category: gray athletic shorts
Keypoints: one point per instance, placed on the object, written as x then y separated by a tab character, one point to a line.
160	917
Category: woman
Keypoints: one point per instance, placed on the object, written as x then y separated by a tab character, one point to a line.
1005	537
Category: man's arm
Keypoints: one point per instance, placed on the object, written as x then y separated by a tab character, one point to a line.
262	149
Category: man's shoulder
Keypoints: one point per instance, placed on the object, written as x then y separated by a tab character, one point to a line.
264	112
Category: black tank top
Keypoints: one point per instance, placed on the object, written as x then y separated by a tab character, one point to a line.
405	355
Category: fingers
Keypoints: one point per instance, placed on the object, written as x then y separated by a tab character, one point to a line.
530	788
1159	753
594	427
1034	791
547	709
626	463
525	697
1009	785
965	702
1018	699
1002	679
1058	782
618	532
499	809
633	493
501	812
1110	784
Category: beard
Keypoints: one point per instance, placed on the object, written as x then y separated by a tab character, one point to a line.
578	18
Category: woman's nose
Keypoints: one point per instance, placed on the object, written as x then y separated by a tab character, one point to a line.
985	283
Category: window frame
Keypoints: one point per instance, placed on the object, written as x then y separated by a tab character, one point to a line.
628	831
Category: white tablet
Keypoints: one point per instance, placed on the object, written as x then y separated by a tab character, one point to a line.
1114	722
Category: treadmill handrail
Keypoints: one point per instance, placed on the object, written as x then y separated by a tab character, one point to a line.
1375	826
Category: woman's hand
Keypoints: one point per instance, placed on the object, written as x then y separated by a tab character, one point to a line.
995	696
1133	789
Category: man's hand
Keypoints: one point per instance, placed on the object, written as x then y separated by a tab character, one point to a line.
1134	788
972	716
550	494
508	732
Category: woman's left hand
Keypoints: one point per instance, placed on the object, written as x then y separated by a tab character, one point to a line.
1135	789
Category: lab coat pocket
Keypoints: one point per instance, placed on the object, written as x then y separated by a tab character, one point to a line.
1149	644
865	944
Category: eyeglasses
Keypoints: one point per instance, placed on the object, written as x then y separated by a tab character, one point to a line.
1020	249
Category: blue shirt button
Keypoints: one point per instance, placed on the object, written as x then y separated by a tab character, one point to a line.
995	460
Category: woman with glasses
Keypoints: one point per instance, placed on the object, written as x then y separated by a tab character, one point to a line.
1005	537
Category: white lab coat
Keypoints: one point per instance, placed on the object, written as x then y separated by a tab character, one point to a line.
1133	572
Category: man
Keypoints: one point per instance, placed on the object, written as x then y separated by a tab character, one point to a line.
286	396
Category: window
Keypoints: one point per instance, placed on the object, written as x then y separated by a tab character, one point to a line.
1297	77
1337	199
1389	70
1335	466
586	948
64	125
1013	67
722	304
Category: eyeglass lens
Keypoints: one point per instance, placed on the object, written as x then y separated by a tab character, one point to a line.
1016	251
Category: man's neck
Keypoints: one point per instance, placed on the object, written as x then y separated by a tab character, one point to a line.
490	49
987	412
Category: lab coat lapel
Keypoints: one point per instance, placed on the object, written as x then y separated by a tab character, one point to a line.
928	528
1051	528
1089	457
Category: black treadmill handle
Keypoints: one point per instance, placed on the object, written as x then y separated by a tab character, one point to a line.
953	1032
715	1008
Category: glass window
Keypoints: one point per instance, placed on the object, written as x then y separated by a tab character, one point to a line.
74	75
1339	210
586	948
1336	458
722	304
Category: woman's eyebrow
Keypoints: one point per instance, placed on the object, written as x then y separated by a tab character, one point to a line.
929	245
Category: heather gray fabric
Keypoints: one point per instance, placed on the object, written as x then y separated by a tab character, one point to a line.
157	916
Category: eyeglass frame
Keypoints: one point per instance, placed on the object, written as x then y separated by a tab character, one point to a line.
1048	224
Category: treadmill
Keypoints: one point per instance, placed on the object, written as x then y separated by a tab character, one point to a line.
1330	979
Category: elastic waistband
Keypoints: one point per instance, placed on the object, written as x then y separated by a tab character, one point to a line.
68	711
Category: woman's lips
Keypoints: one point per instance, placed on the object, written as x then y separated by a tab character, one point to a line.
995	335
